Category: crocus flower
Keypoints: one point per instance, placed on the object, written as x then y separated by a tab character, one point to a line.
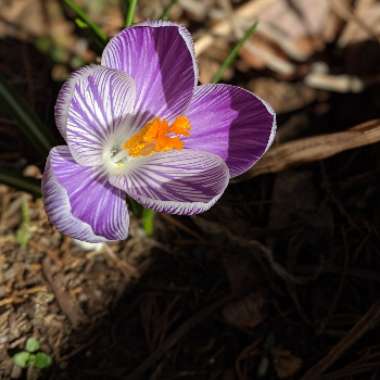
139	125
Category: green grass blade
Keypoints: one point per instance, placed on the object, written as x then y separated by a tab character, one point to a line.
135	207
131	10
99	35
23	236
233	54
148	221
165	13
28	122
15	179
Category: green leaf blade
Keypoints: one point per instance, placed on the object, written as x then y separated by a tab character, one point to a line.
28	122
131	11
228	62
99	35
15	179
148	221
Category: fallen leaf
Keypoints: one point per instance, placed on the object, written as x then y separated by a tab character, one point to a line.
285	363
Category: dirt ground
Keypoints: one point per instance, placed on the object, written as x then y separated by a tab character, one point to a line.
279	280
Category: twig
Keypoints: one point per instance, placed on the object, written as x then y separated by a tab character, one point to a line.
274	61
337	83
315	148
366	323
177	223
127	269
18	296
175	337
69	308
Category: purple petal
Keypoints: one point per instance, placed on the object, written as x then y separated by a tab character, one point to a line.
232	123
65	95
101	103
178	182
159	56
81	202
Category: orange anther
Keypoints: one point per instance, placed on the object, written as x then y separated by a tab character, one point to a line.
157	136
181	126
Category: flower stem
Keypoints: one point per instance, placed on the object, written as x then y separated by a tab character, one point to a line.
131	12
233	53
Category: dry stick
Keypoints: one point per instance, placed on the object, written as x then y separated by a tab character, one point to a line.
315	148
350	372
337	83
125	267
175	337
273	61
18	296
68	306
366	323
170	219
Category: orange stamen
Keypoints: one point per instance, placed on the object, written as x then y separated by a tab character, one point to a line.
157	136
181	126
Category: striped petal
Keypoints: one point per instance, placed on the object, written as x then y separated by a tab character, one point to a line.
159	56
81	202
232	123
102	102
178	182
66	94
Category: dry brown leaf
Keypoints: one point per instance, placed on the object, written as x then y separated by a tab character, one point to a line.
21	18
297	28
363	22
281	95
259	54
247	312
285	363
315	148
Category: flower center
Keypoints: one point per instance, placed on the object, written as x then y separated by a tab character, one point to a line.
158	136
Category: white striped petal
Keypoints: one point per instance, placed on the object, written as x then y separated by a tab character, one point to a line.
232	123
81	202
102	102
159	56
178	182
65	95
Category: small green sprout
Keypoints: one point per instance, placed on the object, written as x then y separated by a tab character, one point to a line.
31	358
32	345
21	359
23	233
